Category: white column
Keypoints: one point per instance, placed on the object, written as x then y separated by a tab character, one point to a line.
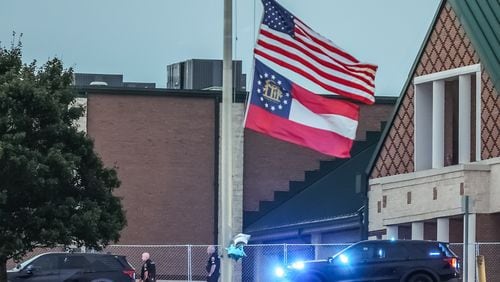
438	124
443	229
315	240
417	231
471	245
392	232
478	110
464	120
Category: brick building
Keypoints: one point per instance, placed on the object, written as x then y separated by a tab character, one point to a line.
165	145
443	142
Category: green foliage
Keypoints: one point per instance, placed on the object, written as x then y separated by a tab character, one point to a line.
54	189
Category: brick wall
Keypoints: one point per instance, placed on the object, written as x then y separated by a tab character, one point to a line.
488	227
270	163
164	149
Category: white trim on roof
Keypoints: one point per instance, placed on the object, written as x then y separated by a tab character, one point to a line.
447	74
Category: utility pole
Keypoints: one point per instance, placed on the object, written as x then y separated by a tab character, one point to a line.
226	183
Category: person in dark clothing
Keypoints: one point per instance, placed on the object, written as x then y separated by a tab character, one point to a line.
148	270
213	265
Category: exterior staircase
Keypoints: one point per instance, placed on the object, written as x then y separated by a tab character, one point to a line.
310	178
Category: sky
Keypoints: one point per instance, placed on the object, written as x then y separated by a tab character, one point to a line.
140	38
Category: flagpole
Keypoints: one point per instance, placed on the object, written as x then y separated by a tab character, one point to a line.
226	183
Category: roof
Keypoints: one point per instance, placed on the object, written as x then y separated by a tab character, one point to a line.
331	198
481	22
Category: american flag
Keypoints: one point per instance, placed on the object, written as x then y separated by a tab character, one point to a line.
291	48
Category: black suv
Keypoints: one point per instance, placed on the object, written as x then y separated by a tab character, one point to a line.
72	267
380	260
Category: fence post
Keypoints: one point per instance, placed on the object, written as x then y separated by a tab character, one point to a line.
190	264
285	251
481	269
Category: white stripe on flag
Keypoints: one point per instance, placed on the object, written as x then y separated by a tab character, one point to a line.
335	123
322	57
304	81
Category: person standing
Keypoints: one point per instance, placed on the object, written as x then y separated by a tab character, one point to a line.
213	265
148	270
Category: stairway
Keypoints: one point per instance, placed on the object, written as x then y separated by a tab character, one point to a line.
310	178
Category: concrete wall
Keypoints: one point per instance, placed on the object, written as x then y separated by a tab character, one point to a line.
410	197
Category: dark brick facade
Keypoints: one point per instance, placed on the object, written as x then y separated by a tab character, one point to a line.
164	149
490	227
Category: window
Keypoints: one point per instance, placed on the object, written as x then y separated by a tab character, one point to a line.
390	251
360	253
447	121
45	262
74	261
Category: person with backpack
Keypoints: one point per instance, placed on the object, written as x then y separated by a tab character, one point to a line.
148	270
213	265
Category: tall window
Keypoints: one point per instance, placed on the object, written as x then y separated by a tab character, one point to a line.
447	108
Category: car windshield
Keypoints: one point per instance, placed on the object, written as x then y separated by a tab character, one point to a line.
25	263
340	252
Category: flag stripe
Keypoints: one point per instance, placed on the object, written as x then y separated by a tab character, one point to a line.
328	44
330	122
322	105
338	89
311	65
295	77
362	71
328	64
323	141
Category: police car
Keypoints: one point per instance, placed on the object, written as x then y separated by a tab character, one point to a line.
380	260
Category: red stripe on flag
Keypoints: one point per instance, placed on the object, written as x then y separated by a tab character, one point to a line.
323	141
369	72
301	60
329	47
334	66
322	105
312	78
326	43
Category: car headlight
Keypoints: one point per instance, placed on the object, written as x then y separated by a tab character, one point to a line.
298	265
344	259
279	271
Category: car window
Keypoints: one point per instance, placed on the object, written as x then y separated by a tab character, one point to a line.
424	250
390	251
104	263
45	262
358	253
74	261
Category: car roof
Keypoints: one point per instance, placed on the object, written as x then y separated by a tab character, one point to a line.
400	241
86	254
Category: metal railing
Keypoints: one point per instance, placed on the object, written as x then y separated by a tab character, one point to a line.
187	262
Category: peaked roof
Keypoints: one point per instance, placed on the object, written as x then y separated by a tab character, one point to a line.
481	22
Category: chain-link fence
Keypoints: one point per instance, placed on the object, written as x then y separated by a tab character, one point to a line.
491	253
187	262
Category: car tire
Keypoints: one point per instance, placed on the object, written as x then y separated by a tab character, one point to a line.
420	277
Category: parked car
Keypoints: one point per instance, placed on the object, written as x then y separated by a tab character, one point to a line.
380	260
72	267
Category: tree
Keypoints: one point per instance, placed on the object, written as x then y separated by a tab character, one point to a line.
54	189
